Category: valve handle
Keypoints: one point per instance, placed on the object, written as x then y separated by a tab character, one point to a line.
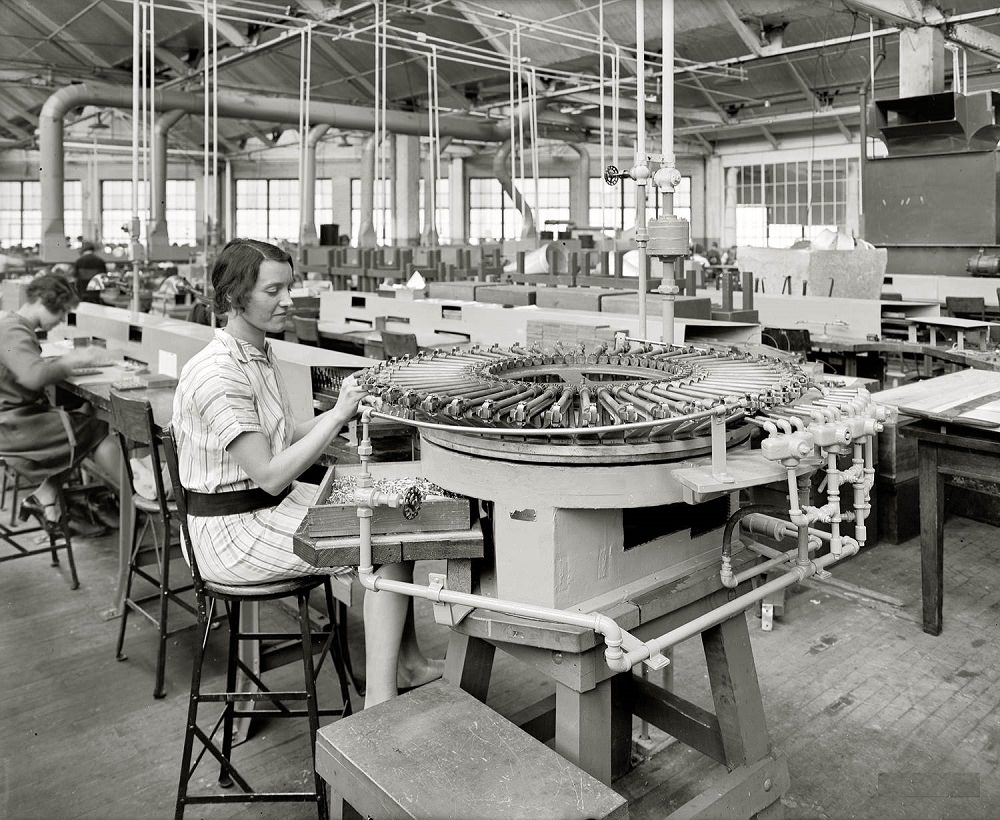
612	175
411	503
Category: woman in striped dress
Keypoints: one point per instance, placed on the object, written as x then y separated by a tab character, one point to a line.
240	450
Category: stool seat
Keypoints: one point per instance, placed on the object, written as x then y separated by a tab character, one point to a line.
438	752
272	589
150	505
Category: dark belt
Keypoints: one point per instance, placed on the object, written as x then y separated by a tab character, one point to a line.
233	503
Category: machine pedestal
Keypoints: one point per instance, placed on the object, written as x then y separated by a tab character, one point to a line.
591	717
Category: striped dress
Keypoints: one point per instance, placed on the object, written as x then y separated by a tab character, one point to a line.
229	388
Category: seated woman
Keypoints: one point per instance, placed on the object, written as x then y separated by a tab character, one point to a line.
40	441
235	433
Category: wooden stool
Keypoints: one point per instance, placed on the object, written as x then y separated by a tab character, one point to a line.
438	752
263	701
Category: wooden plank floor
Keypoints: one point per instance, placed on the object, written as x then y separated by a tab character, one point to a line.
878	719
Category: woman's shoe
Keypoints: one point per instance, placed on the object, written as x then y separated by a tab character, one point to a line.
31	506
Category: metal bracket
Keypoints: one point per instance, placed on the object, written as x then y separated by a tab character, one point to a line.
446	614
767	617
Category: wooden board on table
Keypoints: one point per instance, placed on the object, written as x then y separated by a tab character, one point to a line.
970	397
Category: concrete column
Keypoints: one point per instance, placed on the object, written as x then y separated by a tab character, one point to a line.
406	181
921	61
457	210
729	216
579	187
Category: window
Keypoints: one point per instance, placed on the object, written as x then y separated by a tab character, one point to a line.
324	202
441	208
492	215
116	211
73	209
383	211
269	208
20	213
780	203
552	211
182	211
614	206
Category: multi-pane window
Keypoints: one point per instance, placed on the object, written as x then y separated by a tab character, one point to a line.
492	215
324	202
613	207
781	203
73	209
383	211
20	213
116	211
442	212
552	208
182	211
268	209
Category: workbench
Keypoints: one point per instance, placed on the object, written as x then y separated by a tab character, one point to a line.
956	423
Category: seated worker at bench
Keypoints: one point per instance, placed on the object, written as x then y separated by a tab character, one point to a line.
237	440
40	442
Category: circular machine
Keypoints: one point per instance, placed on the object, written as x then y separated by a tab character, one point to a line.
576	451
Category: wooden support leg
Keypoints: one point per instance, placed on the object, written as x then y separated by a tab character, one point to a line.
469	664
733	677
931	538
594	728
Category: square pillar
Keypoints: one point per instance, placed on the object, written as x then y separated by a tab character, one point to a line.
921	61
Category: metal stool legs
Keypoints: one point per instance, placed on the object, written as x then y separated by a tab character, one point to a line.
262	702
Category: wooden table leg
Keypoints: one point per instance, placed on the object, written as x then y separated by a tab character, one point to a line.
594	728
736	692
126	520
931	537
469	664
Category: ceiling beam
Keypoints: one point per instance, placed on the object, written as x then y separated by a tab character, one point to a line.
595	21
773	119
801	82
718	109
227	31
747	35
768	135
848	134
906	12
355	75
25	101
77	50
165	56
975	38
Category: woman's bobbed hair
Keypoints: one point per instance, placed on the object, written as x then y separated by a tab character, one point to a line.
54	291
235	271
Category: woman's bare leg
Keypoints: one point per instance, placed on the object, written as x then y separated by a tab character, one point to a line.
391	641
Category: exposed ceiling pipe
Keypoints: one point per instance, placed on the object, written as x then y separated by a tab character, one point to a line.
158	237
580	207
502	172
308	215
367	237
229	104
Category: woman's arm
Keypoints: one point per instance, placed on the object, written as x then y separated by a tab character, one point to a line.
20	356
252	451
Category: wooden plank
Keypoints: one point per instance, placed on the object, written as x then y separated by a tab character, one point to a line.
390	549
438	752
437	513
686	721
931	538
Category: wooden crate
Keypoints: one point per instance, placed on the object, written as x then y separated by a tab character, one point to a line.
438	513
897	454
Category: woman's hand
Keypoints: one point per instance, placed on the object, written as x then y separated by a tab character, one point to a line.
90	356
351	396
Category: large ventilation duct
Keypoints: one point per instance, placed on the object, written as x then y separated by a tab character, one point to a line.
159	240
308	216
229	104
367	237
501	170
580	206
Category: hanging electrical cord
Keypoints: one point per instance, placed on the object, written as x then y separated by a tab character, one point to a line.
533	125
434	147
519	88
213	236
382	189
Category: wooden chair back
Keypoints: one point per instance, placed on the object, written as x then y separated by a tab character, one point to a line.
966	307
169	445
397	345
132	420
306	330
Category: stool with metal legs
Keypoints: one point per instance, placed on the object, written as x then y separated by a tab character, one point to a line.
57	531
132	420
233	597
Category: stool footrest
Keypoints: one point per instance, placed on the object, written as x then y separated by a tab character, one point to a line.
240	697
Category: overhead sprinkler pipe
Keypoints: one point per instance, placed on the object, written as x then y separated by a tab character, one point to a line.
640	169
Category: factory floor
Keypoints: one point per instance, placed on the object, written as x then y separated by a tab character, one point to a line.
877	719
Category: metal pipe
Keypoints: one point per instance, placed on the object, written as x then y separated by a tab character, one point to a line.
728	610
308	221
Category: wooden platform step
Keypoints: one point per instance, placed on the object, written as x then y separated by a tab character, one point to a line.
438	752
